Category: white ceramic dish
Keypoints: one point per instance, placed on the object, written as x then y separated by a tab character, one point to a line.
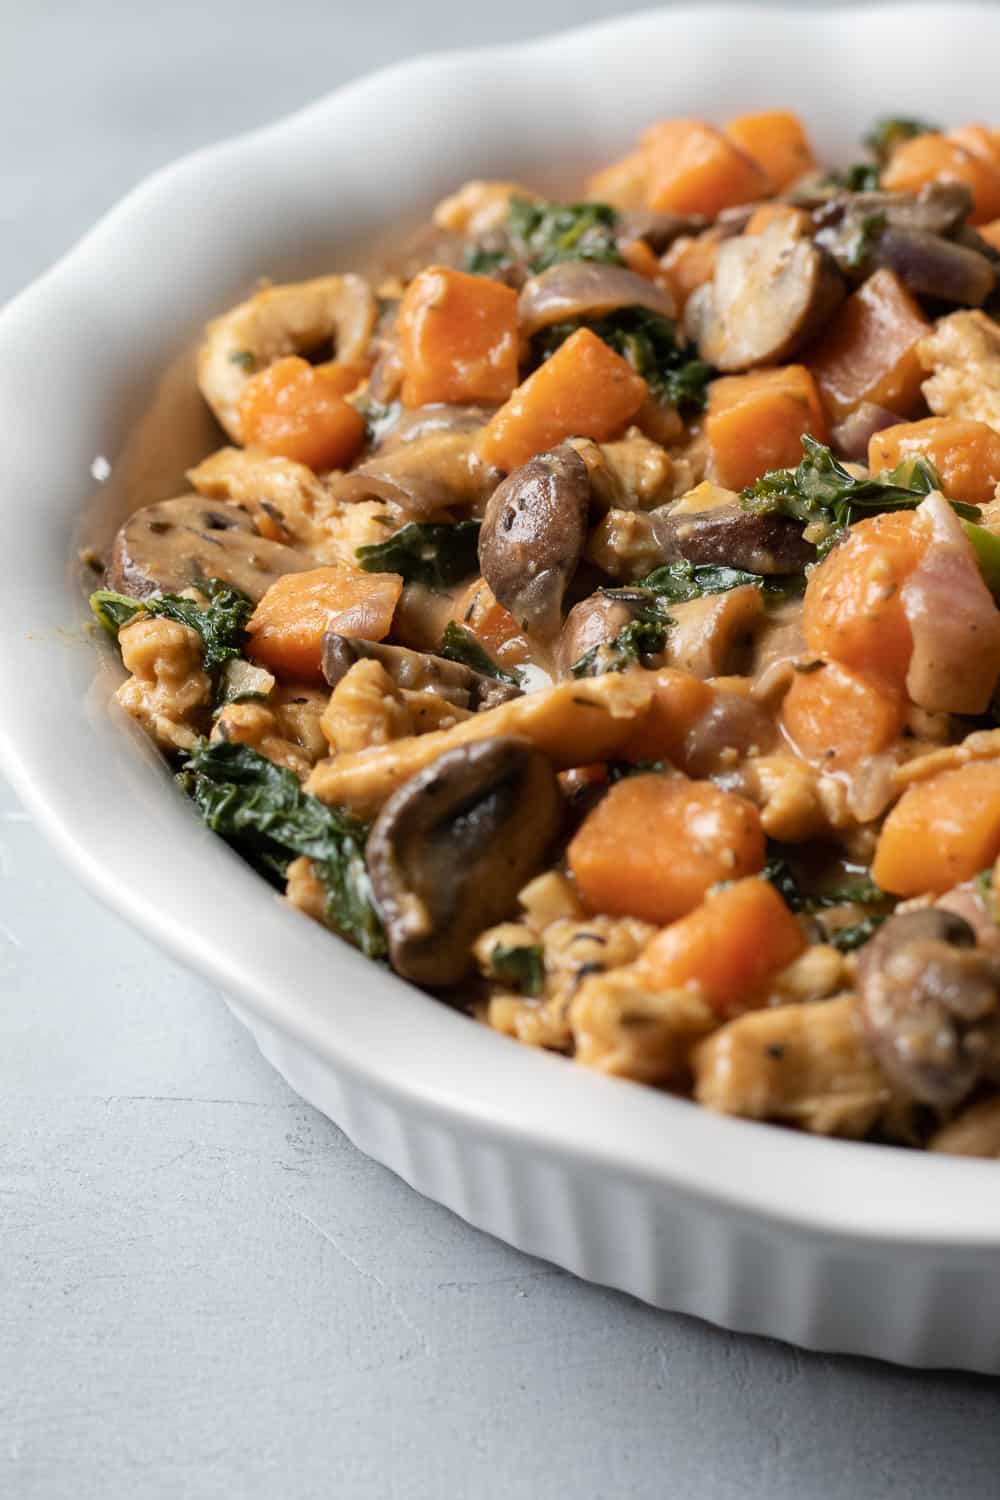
830	1245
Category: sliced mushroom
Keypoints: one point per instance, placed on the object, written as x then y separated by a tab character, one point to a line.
930	266
732	537
452	847
713	636
175	544
586	289
416	671
593	622
852	436
427	477
734	727
658	230
434	419
770	295
938	208
930	1004
533	536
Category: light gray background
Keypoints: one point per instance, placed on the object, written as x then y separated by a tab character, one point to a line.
204	1289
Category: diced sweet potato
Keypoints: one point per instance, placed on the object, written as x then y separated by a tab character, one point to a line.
287	627
755	422
679	701
941	158
728	947
965	453
499	634
852	611
296	410
655	845
584	390
623	183
869	352
835	717
777	141
940	832
695	169
457	338
690	262
767	213
991	233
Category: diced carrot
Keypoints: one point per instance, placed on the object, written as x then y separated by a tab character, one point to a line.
768	213
695	169
980	140
728	947
287	627
939	158
297	410
940	832
623	183
478	610
965	453
690	262
869	352
457	338
991	233
755	422
342	378
585	389
679	701
852	610
835	717
777	140
655	844
640	259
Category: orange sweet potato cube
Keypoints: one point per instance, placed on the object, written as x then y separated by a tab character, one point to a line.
457	338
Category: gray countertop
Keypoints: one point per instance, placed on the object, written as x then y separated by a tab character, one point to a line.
204	1289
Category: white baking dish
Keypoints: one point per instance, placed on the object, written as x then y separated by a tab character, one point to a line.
831	1245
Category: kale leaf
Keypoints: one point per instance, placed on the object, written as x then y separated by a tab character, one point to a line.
543	234
438	554
379	416
621	770
649	342
677	582
262	812
780	873
523	967
221	622
889	132
638	639
822	492
847	939
859	177
459	644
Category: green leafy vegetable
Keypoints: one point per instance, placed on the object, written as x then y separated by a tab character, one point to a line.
679	581
261	810
638	639
437	554
483	262
523	967
853	244
822	493
244	359
379	416
847	939
241	681
889	132
620	770
855	893
543	234
860	177
779	872
649	342
459	644
221	621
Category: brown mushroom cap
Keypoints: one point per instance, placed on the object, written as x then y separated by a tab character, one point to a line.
452	847
586	289
595	621
770	295
533	536
416	671
175	544
732	537
930	1004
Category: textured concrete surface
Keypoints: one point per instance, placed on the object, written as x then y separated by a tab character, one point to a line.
204	1289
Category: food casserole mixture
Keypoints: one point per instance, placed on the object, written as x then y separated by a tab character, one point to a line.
595	618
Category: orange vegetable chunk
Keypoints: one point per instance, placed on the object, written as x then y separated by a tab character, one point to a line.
585	389
980	140
852	609
655	844
869	351
622	183
965	453
690	262
297	410
991	233
729	946
755	422
835	717
679	701
941	832
695	169
478	610
287	627
940	158
457	338
777	141
768	213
